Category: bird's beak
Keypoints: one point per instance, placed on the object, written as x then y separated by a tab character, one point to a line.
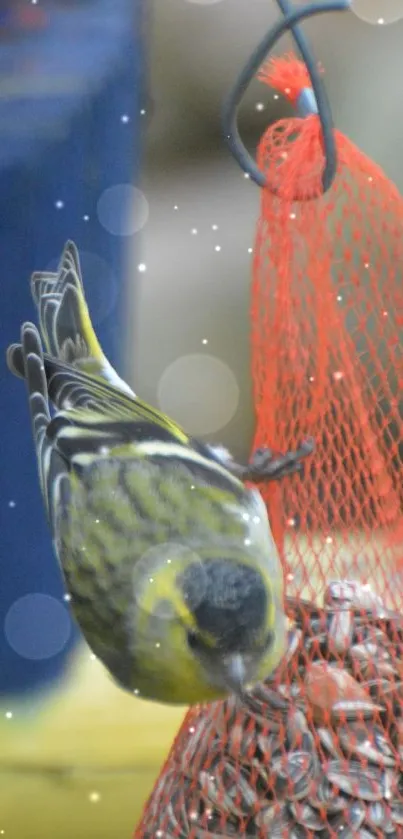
235	673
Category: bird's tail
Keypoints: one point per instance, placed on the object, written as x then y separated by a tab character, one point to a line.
65	324
64	320
27	360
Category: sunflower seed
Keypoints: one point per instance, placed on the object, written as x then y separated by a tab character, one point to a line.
349	777
381	690
358	596
296	725
290	692
281	825
340	631
354	709
396	809
379	815
199	833
391	782
293	775
298	831
241	744
328	738
269	746
306	815
369	633
347	823
201	732
229	792
364	651
325	796
219	798
315	750
268	696
174	823
266	816
366	741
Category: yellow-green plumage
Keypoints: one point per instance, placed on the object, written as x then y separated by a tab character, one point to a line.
173	574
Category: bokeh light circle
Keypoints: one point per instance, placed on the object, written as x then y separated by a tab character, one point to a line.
100	284
378	12
37	626
123	210
200	392
173	556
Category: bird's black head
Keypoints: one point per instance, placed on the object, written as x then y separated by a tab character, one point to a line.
229	602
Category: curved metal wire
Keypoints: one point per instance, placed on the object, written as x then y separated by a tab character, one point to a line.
318	100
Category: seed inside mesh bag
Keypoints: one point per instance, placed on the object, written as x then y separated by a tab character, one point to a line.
346	823
368	784
328	803
316	750
329	741
279	827
306	815
366	741
379	815
355	595
341	628
292	775
396	809
355	709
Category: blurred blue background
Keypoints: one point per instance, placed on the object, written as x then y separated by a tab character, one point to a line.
78	755
71	95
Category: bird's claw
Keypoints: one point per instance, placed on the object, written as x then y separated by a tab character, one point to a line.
267	465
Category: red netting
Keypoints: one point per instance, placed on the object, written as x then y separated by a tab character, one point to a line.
318	749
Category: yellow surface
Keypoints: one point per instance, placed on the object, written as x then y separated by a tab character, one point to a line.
80	763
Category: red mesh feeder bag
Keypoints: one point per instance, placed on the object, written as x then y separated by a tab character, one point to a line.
317	750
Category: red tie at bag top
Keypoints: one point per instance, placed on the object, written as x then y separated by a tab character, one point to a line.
317	750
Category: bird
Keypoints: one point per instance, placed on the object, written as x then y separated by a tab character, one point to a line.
163	540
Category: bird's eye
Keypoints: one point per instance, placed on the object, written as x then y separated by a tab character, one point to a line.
194	642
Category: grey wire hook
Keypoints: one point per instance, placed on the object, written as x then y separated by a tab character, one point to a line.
312	100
